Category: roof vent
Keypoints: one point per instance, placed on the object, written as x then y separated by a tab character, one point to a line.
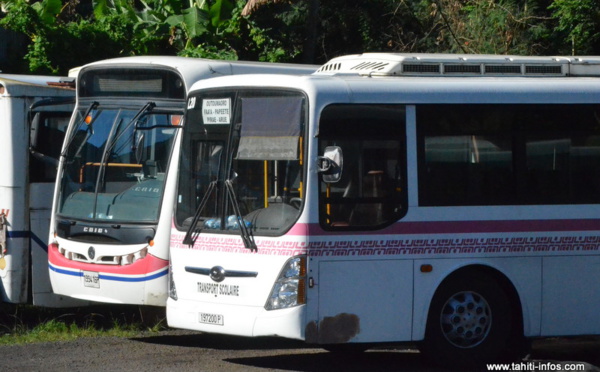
452	68
421	68
494	69
330	67
389	64
543	69
370	66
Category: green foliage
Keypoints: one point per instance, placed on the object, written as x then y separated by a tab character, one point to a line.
274	32
55	47
22	18
487	26
24	324
208	51
578	25
220	12
297	30
48	10
57	330
166	27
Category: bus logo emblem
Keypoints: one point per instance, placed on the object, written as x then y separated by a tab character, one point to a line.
217	274
91	253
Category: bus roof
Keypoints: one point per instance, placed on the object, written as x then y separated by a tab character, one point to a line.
194	69
425	89
30	85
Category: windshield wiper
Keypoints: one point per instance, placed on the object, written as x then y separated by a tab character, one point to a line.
147	107
114	136
90	129
246	235
189	239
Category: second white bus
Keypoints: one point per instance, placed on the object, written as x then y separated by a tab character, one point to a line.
449	200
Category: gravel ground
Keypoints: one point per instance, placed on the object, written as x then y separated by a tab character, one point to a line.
183	351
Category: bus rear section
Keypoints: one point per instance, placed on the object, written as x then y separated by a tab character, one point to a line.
446	200
34	115
115	193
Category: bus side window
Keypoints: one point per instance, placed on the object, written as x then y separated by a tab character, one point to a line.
508	154
45	149
371	192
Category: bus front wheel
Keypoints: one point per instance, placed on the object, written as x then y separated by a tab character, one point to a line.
470	323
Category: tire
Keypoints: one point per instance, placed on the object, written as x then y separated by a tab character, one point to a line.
470	323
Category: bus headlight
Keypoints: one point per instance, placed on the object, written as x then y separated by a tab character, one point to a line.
290	287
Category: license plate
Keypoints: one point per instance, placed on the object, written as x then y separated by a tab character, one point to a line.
215	319
91	279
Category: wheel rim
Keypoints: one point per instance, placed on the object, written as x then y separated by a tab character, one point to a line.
466	319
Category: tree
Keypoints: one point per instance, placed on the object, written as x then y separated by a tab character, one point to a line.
313	31
578	26
487	26
57	43
61	36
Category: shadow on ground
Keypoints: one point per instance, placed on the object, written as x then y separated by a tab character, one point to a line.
291	355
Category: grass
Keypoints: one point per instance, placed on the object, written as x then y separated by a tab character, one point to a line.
25	324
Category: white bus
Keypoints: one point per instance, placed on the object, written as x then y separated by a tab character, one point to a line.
34	115
449	200
113	201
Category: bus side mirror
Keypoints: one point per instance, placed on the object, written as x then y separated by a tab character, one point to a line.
331	164
34	131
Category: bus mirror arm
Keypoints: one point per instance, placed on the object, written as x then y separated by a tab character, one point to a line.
331	164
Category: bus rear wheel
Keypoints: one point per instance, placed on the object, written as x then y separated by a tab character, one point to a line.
470	323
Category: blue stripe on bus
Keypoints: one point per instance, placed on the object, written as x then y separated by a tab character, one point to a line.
143	279
28	234
112	277
66	272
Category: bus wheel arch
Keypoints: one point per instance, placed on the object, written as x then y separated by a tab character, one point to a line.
461	327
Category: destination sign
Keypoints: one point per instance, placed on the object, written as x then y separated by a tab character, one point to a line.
216	111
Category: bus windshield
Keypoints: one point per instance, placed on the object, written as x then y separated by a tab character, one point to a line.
115	163
241	165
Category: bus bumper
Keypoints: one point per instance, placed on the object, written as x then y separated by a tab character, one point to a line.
236	320
141	283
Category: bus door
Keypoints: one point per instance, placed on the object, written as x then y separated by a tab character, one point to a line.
49	120
362	189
